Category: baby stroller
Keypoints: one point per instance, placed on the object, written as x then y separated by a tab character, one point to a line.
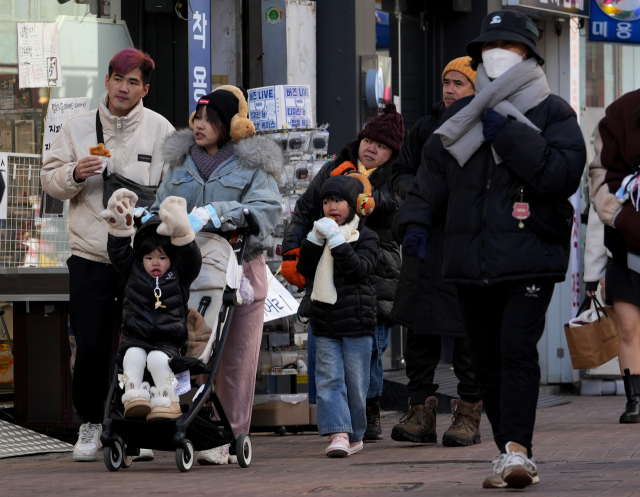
214	294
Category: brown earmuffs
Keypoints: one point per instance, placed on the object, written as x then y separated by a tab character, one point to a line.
241	126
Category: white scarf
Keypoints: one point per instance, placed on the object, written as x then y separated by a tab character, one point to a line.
517	91
324	289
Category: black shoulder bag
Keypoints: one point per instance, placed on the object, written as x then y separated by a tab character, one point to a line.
114	181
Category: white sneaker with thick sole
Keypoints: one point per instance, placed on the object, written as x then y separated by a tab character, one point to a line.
518	471
145	455
86	448
219	455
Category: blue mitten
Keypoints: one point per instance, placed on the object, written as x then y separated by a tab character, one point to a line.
312	236
491	122
414	244
328	228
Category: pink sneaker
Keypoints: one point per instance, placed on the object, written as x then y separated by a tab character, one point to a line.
338	445
355	447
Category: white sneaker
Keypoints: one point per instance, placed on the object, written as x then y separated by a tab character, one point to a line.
145	455
518	471
219	455
86	448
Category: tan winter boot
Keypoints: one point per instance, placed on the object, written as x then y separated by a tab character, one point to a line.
465	425
419	424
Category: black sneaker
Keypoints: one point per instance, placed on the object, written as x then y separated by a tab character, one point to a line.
373	433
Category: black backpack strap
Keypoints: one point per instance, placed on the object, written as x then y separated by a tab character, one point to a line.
99	132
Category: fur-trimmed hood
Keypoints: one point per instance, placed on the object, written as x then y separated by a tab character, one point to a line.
256	152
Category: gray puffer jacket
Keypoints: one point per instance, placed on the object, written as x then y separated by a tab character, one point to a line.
247	180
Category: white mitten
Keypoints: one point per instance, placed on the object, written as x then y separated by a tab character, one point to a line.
119	213
175	221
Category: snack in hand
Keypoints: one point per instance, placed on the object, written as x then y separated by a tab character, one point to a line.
100	150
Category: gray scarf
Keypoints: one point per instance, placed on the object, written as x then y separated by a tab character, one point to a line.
517	91
207	164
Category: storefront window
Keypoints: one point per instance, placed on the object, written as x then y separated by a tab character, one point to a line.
33	226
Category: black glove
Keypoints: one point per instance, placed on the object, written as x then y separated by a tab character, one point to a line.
414	243
491	122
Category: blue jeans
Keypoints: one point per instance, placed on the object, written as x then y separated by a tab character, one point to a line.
342	381
380	343
311	365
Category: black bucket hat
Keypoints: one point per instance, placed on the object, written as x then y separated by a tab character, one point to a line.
509	25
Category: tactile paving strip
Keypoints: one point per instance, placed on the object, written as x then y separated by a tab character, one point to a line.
18	441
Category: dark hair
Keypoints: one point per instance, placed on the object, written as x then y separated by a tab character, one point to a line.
381	176
129	59
152	242
334	198
224	134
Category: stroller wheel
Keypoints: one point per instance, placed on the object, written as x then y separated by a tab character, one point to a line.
244	451
184	458
113	456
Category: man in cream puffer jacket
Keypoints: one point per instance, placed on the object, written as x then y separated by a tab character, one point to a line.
135	137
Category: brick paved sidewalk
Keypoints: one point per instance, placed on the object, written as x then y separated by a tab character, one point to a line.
580	447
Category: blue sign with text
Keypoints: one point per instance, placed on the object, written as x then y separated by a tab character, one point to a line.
199	52
612	25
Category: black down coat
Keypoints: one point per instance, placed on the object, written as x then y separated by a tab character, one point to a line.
354	313
309	209
143	325
423	301
483	243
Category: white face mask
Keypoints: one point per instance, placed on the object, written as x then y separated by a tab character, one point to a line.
497	61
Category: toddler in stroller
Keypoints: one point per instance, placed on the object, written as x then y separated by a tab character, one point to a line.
170	272
159	270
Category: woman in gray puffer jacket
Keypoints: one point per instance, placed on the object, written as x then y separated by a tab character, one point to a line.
221	170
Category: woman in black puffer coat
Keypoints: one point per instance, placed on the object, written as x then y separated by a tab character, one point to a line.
372	154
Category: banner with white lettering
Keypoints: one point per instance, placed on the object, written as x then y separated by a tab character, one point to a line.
199	52
279	303
61	110
614	22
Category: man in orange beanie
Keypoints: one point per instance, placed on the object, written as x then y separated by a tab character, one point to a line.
428	307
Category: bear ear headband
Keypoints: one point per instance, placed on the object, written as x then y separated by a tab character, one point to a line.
241	126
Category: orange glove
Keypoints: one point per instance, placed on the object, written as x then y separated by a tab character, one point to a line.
290	268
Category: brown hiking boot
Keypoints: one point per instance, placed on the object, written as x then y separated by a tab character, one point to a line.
465	425
419	424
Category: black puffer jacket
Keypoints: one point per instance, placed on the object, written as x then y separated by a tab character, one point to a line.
354	313
309	209
483	243
143	325
423	301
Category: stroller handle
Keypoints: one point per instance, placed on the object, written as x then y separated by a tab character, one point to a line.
252	225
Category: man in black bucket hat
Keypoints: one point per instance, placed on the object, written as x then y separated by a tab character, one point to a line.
506	162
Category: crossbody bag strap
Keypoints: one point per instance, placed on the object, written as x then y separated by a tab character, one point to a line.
100	137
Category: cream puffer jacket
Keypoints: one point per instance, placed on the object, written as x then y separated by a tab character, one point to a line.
135	141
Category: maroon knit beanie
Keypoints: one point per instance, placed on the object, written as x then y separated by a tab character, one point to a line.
386	128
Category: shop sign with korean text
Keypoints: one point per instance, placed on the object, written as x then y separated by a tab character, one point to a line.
571	8
615	22
199	52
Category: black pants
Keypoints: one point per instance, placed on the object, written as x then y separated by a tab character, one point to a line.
504	323
422	357
93	310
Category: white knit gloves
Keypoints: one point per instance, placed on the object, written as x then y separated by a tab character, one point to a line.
119	213
329	229
175	221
